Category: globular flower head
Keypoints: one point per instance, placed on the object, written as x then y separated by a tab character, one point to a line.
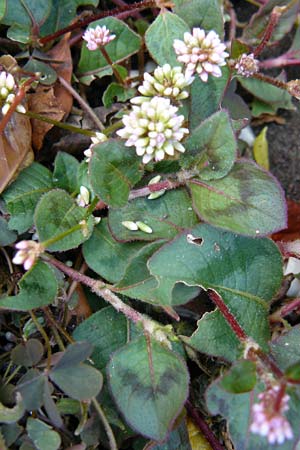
97	37
27	254
247	65
154	129
97	139
202	53
267	416
166	81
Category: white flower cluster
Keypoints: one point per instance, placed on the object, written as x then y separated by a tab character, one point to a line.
202	53
27	254
97	37
166	81
97	139
7	93
267	416
154	129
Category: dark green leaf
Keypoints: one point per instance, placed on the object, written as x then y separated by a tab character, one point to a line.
213	146
57	214
27	354
32	386
285	349
248	200
240	378
271	95
116	92
48	75
206	14
107	257
166	216
155	384
126	43
246	272
43	436
114	169
106	330
65	172
160	37
11	415
22	196
178	439
6	236
38	287
205	98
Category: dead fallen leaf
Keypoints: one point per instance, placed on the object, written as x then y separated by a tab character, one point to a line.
44	102
268	118
15	142
64	68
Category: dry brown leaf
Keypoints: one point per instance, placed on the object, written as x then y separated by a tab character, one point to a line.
15	142
64	68
43	102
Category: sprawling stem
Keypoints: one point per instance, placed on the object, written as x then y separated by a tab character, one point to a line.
108	430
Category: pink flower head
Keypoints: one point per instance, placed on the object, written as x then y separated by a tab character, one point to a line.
267	416
202	53
97	37
27	254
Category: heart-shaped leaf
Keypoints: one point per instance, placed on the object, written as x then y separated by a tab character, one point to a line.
43	436
145	376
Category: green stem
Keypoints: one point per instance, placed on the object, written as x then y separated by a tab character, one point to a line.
109	61
46	339
108	430
62	125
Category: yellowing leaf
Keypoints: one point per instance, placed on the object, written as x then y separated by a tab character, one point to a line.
261	149
197	440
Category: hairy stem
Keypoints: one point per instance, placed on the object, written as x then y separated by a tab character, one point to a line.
108	430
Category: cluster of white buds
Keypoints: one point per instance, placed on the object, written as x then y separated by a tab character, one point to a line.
83	198
267	416
97	139
138	225
154	129
8	93
202	53
27	254
247	65
97	37
166	81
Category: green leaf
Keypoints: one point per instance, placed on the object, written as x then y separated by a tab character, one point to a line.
65	172
38	288
236	409
126	43
107	331
213	146
178	439
240	378
166	216
22	196
271	95
62	14
285	349
246	272
107	257
48	74
6	236
57	214
42	435
116	92
77	380
11	415
114	169
261	149
20	13
293	372
248	201
27	354
160	37
205	98
32	387
206	14
148	378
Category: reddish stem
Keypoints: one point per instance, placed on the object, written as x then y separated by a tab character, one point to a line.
17	100
275	15
230	319
83	22
202	425
280	395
